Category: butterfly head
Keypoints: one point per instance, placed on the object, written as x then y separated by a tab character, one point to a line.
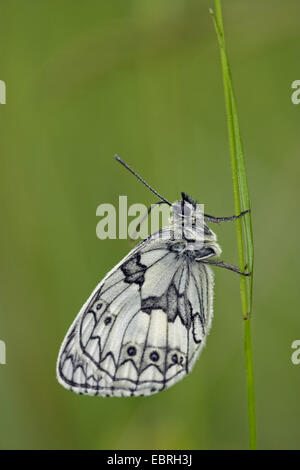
188	199
188	217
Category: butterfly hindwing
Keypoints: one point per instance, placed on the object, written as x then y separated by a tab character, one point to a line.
143	327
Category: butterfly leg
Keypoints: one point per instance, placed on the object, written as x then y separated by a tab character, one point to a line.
217	220
222	264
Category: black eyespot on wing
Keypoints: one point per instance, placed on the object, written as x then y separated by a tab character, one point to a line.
98	307
154	356
107	318
175	358
131	351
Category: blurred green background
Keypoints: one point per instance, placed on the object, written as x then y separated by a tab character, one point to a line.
142	78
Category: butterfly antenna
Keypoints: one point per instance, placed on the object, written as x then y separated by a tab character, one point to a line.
141	179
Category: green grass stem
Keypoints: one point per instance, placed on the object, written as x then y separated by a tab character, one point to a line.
244	225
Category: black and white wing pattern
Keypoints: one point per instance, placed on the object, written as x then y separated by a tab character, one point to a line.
144	325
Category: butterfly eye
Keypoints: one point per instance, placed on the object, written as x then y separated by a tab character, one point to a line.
177	247
107	320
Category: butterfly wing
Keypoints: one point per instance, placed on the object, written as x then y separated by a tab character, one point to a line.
142	328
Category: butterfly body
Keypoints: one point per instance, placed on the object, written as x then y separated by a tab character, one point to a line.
145	324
